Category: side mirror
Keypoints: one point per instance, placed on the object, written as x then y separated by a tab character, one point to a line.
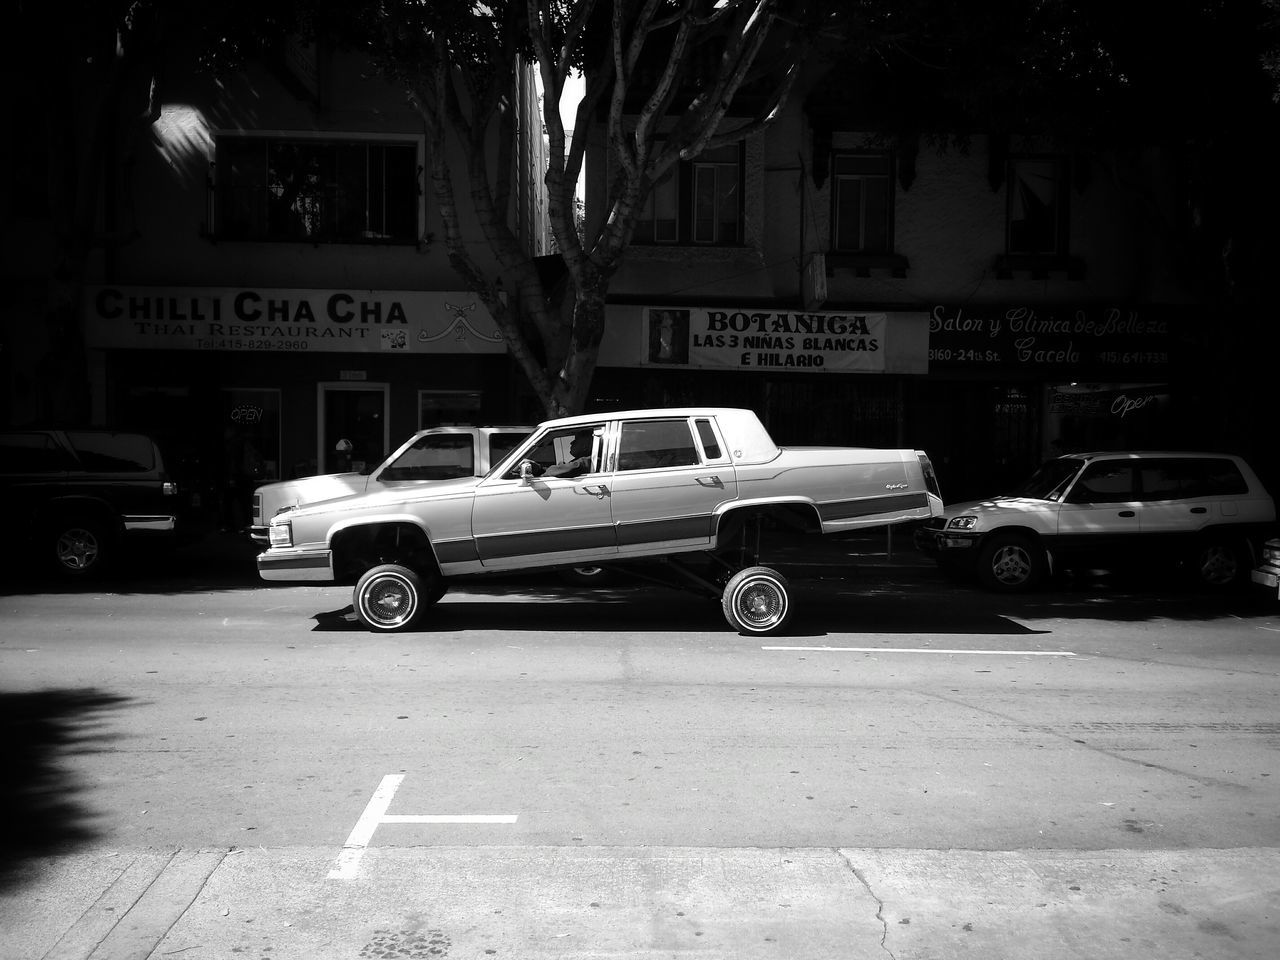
528	470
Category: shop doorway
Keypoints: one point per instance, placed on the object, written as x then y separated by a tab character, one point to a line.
250	455
354	426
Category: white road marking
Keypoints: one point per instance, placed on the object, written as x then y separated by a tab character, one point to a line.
986	653
347	866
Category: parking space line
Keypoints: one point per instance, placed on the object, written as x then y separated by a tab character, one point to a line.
985	653
347	866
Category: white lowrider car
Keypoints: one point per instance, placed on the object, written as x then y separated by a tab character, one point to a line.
690	487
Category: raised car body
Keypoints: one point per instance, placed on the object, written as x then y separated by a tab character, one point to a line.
430	455
1109	508
656	483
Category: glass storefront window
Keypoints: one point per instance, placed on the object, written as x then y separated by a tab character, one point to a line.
438	408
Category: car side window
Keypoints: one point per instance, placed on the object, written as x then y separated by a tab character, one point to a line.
1187	478
1104	482
32	453
114	452
570	452
651	444
436	456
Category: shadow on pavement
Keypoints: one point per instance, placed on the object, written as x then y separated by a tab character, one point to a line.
912	600
40	808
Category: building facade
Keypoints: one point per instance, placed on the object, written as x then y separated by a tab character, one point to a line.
283	304
993	304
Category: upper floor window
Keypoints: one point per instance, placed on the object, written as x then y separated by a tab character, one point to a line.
696	201
862	203
1037	211
319	191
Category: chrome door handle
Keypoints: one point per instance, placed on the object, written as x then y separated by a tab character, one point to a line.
710	482
597	490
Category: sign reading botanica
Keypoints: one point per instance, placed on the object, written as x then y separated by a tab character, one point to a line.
748	339
1092	338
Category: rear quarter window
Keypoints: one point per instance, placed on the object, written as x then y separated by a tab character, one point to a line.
1186	478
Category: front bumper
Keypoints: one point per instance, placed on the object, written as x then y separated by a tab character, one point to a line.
1267	575
292	565
949	545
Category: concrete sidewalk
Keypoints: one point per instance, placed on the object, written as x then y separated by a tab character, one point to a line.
425	903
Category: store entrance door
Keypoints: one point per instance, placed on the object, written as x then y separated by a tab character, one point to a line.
354	428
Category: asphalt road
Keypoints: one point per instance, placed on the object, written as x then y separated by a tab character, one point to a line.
537	748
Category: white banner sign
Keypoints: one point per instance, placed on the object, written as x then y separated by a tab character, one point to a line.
257	319
753	339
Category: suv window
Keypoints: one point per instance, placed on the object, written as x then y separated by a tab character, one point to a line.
114	452
33	453
1105	481
501	444
646	444
437	456
1186	478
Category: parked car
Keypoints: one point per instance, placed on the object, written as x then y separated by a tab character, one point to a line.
690	487
437	453
1267	572
1204	511
78	496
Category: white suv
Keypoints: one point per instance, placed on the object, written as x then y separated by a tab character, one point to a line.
1206	511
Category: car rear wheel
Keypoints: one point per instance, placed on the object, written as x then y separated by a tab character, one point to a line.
756	601
1012	563
80	547
391	597
1219	564
586	576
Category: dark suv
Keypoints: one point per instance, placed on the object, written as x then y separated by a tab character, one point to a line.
79	495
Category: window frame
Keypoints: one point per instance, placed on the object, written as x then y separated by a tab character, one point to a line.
1060	228
838	181
261	230
685	175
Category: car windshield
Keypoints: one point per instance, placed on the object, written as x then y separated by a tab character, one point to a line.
1050	480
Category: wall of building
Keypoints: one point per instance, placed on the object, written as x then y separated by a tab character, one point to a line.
990	363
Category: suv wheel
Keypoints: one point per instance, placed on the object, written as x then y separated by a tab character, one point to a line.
1011	563
1218	563
79	547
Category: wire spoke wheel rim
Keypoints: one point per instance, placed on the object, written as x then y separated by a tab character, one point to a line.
388	600
756	601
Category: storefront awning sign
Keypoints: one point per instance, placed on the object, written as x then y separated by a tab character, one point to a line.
295	320
749	339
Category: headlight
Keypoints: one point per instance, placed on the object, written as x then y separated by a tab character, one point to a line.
962	523
282	534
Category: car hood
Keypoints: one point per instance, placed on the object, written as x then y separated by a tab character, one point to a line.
398	493
306	490
999	506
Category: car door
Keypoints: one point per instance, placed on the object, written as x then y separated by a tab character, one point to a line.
1098	518
1182	495
670	475
546	520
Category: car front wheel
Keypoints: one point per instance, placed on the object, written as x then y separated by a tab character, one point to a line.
756	601
1011	563
391	597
